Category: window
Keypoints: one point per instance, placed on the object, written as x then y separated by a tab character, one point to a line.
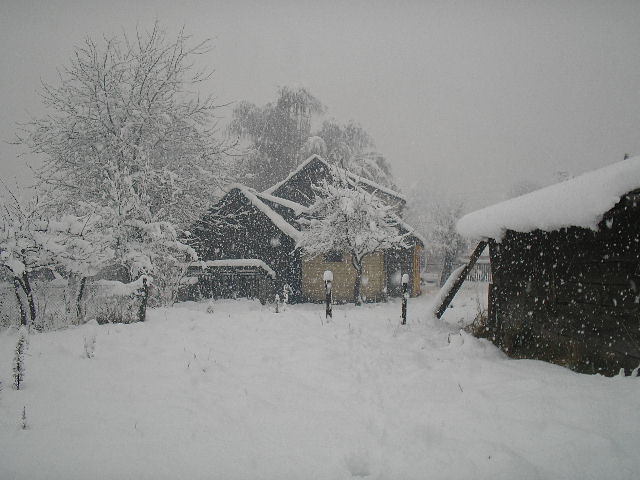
333	257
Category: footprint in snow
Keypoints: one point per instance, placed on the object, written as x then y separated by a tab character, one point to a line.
358	464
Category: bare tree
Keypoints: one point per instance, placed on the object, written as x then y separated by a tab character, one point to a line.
435	215
444	237
351	147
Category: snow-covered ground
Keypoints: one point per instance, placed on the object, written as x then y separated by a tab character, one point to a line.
245	393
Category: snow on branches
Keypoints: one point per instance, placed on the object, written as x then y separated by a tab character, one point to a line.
348	219
126	130
129	147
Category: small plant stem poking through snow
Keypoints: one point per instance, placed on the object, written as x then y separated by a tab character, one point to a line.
24	418
89	346
18	358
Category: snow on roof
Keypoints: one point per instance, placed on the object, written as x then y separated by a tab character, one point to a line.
296	207
236	262
276	218
377	186
299	168
581	202
410	229
352	176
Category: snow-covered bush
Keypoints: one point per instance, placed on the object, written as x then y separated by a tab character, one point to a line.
111	301
33	242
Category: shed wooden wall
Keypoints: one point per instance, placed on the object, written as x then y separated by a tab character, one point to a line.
571	296
246	232
344	276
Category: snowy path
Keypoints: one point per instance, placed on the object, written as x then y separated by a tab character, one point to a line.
244	393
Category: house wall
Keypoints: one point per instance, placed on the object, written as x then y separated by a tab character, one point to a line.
398	262
571	296
344	276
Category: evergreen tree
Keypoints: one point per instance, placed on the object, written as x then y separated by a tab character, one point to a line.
18	358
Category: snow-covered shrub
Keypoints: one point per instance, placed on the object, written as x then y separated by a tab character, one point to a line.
479	328
52	312
9	309
110	301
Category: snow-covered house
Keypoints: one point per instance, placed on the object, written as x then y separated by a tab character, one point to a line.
566	270
248	227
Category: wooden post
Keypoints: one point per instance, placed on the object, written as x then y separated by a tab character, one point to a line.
405	297
328	282
144	293
457	283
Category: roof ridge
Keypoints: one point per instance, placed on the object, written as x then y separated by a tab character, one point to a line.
355	177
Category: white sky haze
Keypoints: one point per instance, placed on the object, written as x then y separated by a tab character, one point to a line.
465	97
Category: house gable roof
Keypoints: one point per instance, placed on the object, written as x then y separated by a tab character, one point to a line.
579	202
297	185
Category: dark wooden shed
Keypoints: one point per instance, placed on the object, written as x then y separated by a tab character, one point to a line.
566	281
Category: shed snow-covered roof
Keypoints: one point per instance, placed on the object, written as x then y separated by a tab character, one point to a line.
579	202
236	262
412	231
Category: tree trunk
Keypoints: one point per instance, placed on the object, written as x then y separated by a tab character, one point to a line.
79	312
17	286
357	288
29	293
447	267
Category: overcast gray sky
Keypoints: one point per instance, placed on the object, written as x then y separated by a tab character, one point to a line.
469	97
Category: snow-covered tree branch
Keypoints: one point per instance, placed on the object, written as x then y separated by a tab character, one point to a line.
126	130
436	215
